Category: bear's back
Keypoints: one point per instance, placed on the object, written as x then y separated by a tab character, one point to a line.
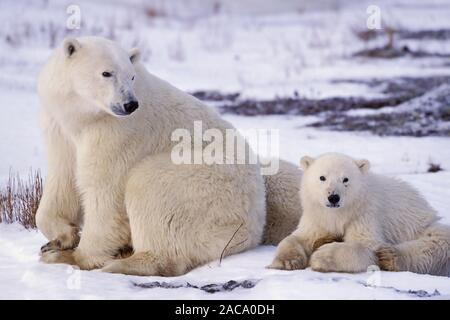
402	210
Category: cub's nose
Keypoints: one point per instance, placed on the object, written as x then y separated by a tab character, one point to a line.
131	106
334	198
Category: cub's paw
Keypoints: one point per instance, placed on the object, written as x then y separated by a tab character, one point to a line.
293	263
290	256
325	240
388	259
324	260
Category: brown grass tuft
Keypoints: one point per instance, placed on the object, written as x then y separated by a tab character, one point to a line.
19	200
434	167
153	12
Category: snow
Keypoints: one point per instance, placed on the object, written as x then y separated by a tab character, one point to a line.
260	55
23	277
404	157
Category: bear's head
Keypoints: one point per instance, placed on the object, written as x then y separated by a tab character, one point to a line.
101	73
333	180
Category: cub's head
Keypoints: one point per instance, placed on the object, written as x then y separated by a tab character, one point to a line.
101	73
332	180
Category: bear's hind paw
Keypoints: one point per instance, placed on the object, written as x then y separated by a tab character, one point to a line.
58	256
388	259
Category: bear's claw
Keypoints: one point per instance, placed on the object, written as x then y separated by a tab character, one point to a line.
51	245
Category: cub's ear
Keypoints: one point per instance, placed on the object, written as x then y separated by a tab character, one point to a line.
71	46
363	165
134	54
306	161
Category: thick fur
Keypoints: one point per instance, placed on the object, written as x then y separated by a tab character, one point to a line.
381	220
283	201
112	177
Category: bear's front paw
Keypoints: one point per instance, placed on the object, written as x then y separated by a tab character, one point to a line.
290	256
292	263
323	260
69	240
325	240
388	259
51	246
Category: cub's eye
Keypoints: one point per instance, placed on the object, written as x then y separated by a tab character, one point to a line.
345	180
106	74
322	178
132	79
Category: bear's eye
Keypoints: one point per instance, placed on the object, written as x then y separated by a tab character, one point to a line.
106	74
322	178
345	180
132	79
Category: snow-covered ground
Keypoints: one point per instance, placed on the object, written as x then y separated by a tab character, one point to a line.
260	55
23	277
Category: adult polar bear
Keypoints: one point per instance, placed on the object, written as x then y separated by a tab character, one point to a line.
108	125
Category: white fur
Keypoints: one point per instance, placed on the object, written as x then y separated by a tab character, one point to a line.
112	176
380	220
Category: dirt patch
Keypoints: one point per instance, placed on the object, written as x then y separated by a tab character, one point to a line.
209	288
415	124
215	96
404	88
438	34
427	113
392	49
391	52
302	106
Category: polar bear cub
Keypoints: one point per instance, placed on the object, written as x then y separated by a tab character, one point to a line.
379	221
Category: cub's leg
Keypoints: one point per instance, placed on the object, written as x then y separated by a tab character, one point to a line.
350	257
183	216
59	213
355	254
294	251
428	254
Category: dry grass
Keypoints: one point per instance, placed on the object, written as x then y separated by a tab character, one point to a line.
434	167
154	12
19	200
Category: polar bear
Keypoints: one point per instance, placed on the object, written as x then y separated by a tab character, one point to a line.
111	184
379	220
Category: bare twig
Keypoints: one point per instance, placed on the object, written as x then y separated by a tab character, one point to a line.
238	244
229	241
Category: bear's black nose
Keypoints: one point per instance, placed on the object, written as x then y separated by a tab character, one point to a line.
131	106
334	198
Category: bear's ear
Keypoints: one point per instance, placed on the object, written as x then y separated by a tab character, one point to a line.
363	165
306	161
134	54
71	46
